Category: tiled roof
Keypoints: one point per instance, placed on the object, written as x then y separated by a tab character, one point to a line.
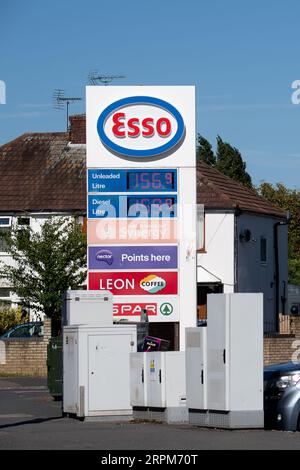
217	191
42	172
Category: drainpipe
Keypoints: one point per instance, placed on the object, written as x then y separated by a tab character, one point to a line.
237	213
283	298
277	274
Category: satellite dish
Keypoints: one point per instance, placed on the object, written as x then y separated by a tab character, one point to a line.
245	235
294	310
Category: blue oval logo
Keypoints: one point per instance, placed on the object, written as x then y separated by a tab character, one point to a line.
105	255
167	131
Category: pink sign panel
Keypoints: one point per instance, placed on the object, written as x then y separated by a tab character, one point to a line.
118	231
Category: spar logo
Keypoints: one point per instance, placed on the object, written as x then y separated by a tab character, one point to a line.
141	126
153	283
134	309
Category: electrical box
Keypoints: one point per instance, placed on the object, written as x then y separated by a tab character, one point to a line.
84	307
55	366
96	369
158	382
235	360
138	388
196	367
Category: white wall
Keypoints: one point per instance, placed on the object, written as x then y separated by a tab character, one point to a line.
221	263
253	275
217	263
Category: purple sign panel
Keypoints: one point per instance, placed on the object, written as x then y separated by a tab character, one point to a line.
133	257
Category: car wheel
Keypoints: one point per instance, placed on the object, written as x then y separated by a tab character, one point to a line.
298	423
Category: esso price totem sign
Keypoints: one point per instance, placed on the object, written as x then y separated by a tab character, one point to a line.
141	162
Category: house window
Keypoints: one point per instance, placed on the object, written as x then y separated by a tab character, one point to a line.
263	250
5	221
5	226
200	229
23	221
4	293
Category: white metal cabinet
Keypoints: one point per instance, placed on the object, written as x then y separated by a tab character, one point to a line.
196	368
165	381
138	377
175	379
155	382
158	385
158	379
70	372
235	352
96	369
217	352
108	372
81	307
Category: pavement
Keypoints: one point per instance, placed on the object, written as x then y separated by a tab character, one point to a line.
31	419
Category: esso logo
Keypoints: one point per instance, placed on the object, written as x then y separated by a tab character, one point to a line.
162	126
141	126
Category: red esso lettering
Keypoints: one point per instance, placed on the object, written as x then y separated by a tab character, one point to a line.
147	127
118	127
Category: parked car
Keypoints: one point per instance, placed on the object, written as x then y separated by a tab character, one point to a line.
282	396
25	330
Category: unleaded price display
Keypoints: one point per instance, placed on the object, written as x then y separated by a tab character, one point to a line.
129	181
151	181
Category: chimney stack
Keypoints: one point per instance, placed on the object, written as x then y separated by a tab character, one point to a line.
77	132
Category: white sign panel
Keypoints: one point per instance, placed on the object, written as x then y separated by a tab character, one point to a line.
159	309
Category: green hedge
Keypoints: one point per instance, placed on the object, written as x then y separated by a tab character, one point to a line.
9	317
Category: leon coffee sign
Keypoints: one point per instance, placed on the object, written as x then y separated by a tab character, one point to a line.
135	283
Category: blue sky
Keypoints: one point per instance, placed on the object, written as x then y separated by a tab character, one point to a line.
242	56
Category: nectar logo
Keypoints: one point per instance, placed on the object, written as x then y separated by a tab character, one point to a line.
105	255
141	127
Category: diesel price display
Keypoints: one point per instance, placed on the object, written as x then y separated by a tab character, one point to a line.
152	205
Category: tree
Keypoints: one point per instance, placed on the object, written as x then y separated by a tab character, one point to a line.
204	151
46	264
228	160
289	200
230	163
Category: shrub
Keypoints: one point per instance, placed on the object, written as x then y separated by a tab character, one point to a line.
10	317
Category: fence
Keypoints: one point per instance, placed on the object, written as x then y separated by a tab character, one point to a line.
284	326
283	346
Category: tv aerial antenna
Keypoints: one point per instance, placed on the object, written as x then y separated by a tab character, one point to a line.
95	78
60	101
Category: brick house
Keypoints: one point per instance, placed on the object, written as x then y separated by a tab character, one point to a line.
42	175
242	237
